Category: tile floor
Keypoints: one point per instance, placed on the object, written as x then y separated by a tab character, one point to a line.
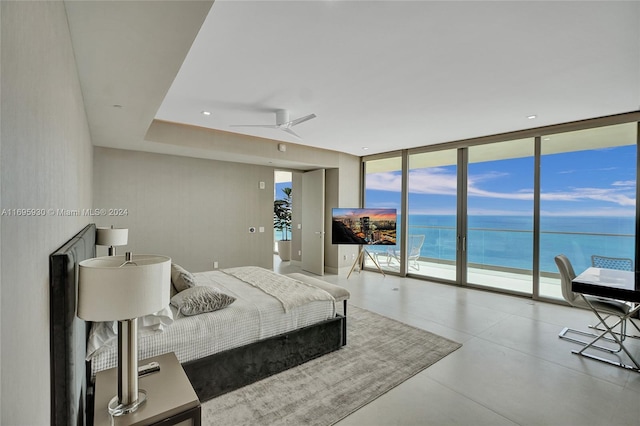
511	370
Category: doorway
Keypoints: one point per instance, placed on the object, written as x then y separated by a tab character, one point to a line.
282	210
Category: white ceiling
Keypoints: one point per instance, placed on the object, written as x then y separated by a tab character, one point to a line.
384	75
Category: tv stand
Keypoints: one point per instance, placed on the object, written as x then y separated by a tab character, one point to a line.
360	262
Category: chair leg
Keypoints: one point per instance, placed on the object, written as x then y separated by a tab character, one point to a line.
635	367
609	330
625	335
413	263
564	335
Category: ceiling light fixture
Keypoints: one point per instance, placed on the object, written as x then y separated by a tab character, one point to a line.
364	148
531	117
206	112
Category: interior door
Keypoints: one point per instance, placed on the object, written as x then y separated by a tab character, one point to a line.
313	222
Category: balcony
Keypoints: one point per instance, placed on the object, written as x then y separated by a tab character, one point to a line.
505	280
501	259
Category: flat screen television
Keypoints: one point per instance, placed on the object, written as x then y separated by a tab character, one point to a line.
363	226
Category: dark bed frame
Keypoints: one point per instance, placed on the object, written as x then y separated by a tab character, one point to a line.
71	389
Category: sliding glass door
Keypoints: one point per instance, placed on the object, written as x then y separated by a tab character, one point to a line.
587	199
383	189
499	240
432	219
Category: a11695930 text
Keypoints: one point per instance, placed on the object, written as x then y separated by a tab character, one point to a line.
61	212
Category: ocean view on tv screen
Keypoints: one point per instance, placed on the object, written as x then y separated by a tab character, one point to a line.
363	226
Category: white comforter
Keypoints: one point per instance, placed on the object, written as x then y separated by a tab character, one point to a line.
254	315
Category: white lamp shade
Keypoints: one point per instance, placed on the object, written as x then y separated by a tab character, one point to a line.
112	236
109	289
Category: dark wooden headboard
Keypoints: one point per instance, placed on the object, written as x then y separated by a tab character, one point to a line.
68	333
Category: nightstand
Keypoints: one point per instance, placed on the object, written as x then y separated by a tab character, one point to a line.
171	399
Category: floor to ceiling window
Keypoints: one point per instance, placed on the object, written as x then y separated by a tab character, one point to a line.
587	198
495	214
499	240
432	219
383	189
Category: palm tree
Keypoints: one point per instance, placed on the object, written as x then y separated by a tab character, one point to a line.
282	214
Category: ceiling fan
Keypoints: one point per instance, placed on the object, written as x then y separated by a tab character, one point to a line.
282	122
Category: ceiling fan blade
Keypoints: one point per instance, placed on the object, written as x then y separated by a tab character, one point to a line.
291	132
302	119
282	116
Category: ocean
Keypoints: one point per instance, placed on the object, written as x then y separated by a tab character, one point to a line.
507	241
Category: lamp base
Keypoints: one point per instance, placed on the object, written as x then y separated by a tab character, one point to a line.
116	408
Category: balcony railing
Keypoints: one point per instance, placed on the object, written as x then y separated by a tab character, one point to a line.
503	258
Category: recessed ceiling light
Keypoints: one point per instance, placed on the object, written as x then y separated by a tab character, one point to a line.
206	112
531	117
364	148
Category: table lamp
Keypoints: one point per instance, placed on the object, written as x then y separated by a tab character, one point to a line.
124	288
112	237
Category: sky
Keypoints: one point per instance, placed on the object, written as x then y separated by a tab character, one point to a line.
598	182
373	214
279	195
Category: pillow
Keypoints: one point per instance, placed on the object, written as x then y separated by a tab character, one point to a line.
105	333
155	323
201	299
172	290
181	278
102	335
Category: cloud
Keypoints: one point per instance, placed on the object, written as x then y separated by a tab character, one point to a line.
385	181
617	212
628	183
440	181
611	195
385	205
433	181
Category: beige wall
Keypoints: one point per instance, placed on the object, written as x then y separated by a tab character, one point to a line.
46	163
342	184
343	190
219	145
196	211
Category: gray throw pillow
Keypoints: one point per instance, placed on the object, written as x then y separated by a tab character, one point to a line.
181	278
200	299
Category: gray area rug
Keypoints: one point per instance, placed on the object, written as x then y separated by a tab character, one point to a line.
380	354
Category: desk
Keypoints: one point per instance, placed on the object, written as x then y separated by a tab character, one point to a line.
610	283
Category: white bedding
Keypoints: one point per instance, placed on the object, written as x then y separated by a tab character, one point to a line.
254	315
290	292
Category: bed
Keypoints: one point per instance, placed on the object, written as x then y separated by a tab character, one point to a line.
254	356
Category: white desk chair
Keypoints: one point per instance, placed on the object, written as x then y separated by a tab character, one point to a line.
599	306
414	244
620	263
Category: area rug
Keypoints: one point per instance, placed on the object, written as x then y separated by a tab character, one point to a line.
380	354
